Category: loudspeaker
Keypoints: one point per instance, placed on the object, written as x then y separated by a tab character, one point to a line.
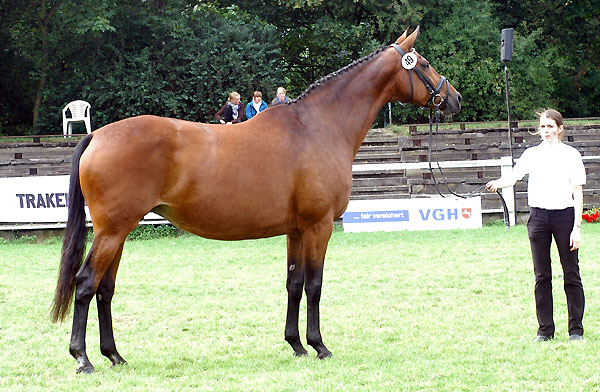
507	45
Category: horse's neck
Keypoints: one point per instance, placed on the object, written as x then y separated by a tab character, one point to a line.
353	99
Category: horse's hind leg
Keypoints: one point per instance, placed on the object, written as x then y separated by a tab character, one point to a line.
104	295
88	277
294	285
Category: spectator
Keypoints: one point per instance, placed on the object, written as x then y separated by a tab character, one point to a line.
280	98
255	106
232	112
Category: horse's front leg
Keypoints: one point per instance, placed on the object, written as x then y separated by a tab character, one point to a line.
294	285
315	239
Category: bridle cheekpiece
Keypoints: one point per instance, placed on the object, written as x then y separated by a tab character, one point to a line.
436	98
410	63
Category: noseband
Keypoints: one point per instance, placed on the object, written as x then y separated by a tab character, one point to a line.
435	98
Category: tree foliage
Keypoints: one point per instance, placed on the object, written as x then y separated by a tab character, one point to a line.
568	35
181	58
318	37
179	61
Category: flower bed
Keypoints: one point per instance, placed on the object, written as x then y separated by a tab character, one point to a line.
591	215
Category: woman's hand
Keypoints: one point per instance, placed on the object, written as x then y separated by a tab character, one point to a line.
575	238
492	186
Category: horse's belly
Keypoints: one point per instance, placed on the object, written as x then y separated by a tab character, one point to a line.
227	221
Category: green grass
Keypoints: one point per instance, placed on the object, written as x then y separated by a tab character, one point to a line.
407	311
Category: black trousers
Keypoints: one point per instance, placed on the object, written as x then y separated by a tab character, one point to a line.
542	226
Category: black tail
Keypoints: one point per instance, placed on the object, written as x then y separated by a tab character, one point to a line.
74	242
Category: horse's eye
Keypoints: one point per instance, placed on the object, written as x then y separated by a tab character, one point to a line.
426	65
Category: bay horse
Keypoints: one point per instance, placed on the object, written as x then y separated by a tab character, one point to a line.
286	171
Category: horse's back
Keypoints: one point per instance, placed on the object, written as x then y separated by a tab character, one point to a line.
213	180
135	146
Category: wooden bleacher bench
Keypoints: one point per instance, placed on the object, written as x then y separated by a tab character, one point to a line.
54	158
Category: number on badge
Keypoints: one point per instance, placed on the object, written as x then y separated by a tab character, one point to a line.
409	60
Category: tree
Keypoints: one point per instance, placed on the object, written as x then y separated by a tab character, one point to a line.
16	89
181	58
170	60
45	12
318	37
567	35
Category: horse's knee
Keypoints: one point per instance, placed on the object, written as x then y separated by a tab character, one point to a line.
313	292
295	290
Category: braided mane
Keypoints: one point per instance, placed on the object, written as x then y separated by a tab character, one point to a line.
333	75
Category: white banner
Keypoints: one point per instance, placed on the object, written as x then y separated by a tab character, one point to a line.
38	200
439	213
44	200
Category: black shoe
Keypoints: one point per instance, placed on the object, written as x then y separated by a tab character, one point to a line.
542	338
575	337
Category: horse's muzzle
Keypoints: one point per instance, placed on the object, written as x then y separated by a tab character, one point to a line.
452	104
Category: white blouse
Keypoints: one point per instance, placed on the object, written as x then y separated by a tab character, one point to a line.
554	171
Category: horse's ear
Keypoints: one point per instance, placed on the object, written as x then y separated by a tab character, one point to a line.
402	37
409	42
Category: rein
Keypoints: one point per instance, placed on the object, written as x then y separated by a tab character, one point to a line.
477	191
436	99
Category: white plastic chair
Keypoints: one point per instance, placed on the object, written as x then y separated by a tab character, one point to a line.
80	112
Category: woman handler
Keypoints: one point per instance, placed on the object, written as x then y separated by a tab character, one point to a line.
555	195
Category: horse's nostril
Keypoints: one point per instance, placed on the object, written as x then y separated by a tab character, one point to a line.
459	98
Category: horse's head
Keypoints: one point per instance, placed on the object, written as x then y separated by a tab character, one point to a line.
418	83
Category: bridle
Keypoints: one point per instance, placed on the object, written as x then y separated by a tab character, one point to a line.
436	100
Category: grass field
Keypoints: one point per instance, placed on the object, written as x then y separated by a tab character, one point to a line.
407	311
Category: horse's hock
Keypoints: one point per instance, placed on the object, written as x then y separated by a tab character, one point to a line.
44	158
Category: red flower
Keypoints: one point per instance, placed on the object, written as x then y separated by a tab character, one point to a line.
591	216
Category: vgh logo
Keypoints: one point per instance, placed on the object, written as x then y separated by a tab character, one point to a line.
466	213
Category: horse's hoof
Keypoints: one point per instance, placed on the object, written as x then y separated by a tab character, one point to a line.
302	353
86	369
116	359
325	355
120	363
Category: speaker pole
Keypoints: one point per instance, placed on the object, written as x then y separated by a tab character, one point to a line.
510	136
506	56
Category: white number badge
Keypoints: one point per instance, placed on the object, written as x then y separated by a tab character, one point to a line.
409	60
